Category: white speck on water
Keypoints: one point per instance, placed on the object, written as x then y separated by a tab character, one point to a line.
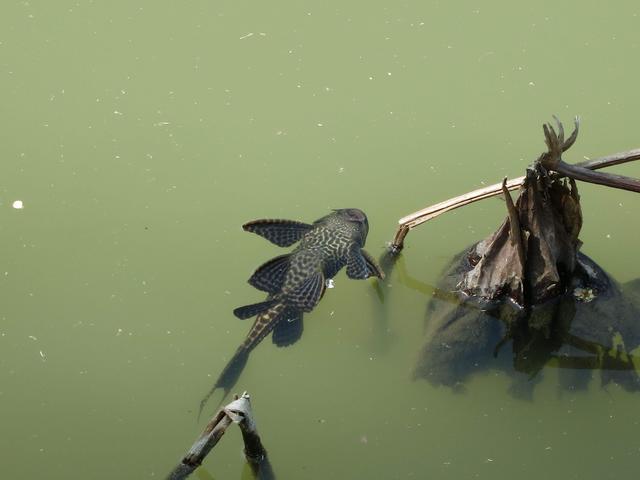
32	337
43	356
329	283
608	235
117	112
320	124
247	36
119	332
341	169
531	84
17	204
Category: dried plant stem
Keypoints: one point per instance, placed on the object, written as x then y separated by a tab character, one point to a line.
421	216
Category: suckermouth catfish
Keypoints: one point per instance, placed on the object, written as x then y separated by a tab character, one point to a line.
296	282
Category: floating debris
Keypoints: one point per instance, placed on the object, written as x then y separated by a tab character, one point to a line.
584	294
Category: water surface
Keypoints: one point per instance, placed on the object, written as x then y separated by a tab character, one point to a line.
140	135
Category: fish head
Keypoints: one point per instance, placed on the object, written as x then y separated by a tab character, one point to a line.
358	218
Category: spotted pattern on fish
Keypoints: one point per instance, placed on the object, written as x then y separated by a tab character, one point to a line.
325	247
262	326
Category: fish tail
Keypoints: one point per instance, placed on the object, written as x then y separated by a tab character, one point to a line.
263	325
228	377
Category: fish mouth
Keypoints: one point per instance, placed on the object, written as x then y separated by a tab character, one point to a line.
353	214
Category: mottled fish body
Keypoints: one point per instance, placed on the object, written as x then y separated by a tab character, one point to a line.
296	282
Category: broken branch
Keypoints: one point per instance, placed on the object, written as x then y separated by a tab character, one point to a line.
238	411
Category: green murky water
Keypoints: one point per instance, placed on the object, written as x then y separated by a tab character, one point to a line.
140	135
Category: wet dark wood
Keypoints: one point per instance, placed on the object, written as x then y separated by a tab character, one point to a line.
208	439
238	411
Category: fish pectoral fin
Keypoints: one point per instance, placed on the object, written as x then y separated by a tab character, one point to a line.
307	295
289	328
357	266
254	309
374	267
283	233
269	276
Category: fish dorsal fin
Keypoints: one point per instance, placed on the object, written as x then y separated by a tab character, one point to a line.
289	328
357	267
283	233
374	268
254	309
270	276
307	295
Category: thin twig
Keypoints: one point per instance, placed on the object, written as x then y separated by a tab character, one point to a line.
438	209
611	160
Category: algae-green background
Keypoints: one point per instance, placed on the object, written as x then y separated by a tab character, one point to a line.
140	135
